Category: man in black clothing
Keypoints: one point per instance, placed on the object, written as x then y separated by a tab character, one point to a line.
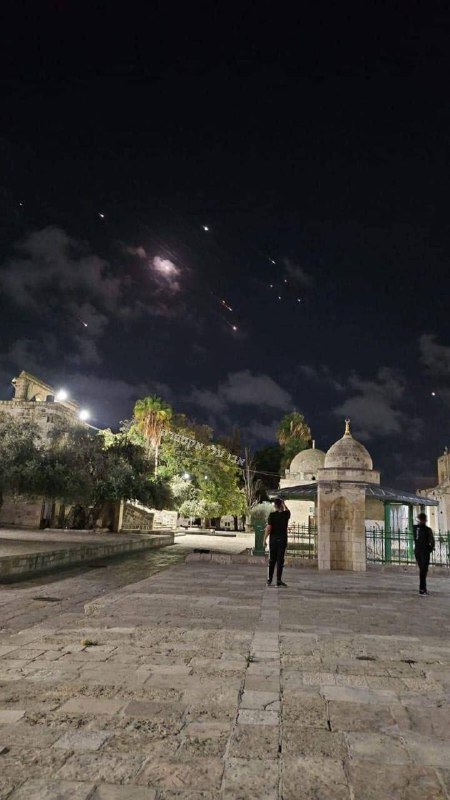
423	547
276	528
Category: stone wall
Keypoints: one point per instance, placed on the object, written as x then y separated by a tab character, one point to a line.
46	416
136	517
164	519
341	527
21	512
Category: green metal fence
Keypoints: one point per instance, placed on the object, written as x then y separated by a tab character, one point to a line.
394	547
302	541
397	547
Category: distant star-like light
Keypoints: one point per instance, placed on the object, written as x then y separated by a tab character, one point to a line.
433	394
234	327
102	216
205	227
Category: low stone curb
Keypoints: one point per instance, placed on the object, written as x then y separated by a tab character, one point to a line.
19	567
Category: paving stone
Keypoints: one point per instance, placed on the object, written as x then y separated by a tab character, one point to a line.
314	779
360	717
251	779
91	706
377	748
102	766
82	741
313	742
249	716
143	709
426	751
255	741
260	700
201	774
435	723
260	684
9	715
206	730
109	791
394	782
356	695
53	790
305	709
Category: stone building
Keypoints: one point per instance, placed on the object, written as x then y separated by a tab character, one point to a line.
439	518
37	402
303	470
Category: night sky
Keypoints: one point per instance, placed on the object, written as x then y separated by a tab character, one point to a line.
320	143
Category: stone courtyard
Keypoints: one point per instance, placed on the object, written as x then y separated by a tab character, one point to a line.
200	683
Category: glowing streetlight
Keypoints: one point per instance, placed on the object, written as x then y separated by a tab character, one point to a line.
61	395
84	414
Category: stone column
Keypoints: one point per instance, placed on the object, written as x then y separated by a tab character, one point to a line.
341	526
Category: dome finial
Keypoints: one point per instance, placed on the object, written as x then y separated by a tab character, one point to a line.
347	427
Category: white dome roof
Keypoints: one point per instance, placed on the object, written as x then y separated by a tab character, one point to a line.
347	453
307	461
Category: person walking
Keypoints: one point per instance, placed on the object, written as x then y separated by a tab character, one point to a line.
276	529
423	547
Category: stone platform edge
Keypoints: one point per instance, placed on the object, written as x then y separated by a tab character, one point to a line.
13	568
304	563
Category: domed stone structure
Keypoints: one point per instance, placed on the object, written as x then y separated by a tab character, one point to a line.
347	453
304	469
305	464
342	482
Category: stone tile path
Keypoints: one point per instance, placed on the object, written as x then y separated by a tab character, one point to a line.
200	683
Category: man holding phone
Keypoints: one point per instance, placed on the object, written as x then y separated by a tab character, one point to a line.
276	529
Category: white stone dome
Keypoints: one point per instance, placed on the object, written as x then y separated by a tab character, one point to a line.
347	453
308	461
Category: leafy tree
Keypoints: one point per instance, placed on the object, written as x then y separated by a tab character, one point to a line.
294	435
20	457
254	489
94	469
151	416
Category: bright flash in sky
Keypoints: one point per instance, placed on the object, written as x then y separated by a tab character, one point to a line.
102	216
272	261
165	267
234	327
205	227
433	394
61	395
84	414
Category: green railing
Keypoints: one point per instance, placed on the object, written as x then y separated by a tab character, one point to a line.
302	541
397	547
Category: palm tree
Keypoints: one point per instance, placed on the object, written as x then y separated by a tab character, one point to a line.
294	435
293	426
151	416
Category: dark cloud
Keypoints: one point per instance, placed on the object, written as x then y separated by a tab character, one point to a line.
49	261
375	406
297	274
434	356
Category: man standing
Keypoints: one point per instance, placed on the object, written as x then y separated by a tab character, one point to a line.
423	547
276	528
